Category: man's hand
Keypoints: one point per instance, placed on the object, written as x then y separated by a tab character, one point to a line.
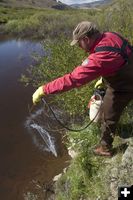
100	84
36	97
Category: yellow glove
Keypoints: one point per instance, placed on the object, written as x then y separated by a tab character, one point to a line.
100	84
36	97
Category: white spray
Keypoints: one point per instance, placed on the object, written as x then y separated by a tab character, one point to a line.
48	140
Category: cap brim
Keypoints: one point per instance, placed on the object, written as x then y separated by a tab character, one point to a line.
73	42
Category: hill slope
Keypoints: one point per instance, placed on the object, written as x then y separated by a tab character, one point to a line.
92	4
33	3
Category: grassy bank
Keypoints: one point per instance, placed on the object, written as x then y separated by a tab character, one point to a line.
41	23
90	177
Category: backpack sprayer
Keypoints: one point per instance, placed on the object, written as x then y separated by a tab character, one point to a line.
94	106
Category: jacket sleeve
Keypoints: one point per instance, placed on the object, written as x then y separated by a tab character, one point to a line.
88	71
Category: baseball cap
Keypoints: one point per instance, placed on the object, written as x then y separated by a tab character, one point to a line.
83	29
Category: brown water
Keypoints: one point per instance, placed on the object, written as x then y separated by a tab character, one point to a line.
24	167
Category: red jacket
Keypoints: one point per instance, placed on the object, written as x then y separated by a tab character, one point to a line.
97	64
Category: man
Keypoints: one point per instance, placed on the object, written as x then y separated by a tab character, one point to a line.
110	57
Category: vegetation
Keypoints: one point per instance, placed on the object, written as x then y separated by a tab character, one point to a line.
85	178
118	17
56	64
44	23
89	176
41	23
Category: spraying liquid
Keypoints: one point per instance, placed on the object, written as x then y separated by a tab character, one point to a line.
46	138
45	141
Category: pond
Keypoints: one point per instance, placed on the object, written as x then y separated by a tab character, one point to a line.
26	162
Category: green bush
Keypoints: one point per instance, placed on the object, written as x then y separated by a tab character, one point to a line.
44	23
60	59
117	17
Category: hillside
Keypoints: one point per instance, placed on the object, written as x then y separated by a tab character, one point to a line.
33	3
92	4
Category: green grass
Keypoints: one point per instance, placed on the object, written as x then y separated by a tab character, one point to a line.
84	178
41	23
14	13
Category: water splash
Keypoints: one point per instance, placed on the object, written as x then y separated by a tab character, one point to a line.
36	121
46	138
